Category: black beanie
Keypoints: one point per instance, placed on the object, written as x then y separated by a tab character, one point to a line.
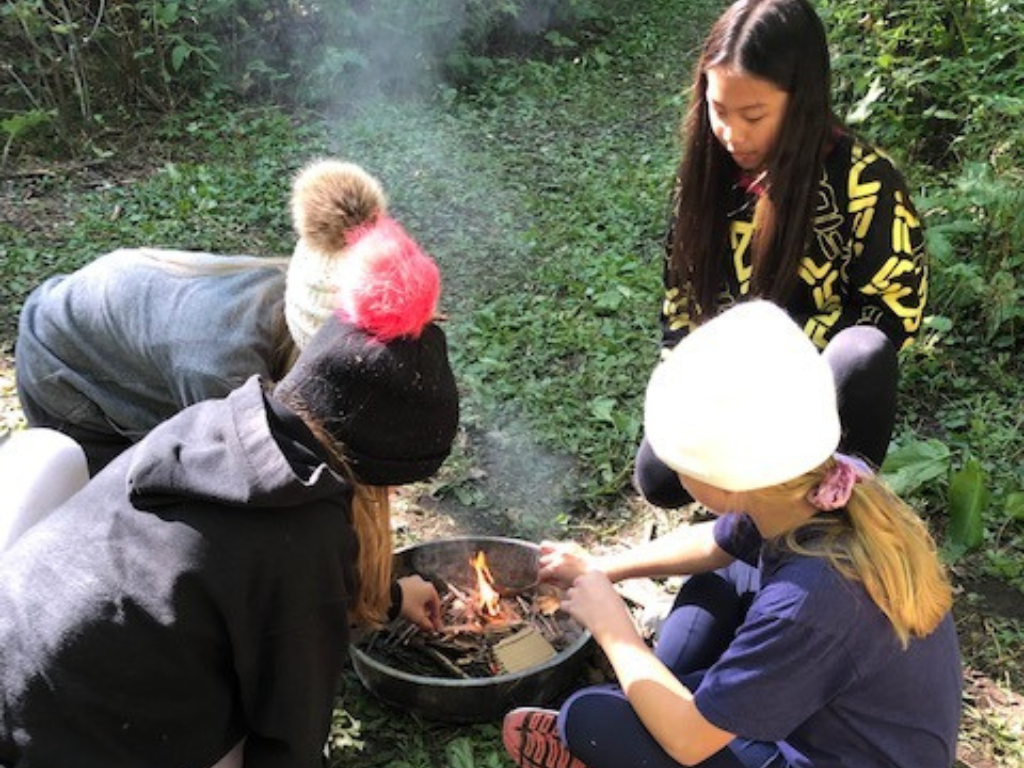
393	406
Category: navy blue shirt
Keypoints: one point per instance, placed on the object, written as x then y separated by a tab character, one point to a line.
817	667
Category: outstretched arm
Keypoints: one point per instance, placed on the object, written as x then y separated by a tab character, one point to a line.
688	549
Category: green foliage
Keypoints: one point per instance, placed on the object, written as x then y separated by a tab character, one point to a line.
230	196
908	71
69	58
979	212
527	29
938	85
968	499
366	733
918	463
594	171
18	125
91	65
962	395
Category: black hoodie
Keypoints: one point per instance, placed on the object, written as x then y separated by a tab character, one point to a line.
194	593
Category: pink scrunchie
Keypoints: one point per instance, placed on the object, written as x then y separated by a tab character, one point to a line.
836	487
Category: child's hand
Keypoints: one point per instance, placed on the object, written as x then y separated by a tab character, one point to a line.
421	605
594	603
562	562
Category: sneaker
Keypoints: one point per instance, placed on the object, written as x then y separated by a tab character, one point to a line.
531	739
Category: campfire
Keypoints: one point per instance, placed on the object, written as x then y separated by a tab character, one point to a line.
489	628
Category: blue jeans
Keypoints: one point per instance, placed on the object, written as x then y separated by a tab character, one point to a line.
601	727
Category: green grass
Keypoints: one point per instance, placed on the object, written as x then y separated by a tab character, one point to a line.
543	195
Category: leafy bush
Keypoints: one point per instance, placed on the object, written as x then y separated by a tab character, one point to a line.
937	80
978	212
78	67
68	58
938	84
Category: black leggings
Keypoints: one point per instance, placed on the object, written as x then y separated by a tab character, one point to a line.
864	365
601	727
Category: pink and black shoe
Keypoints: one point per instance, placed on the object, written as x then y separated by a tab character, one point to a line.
531	738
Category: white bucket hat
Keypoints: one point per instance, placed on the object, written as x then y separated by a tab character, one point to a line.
745	401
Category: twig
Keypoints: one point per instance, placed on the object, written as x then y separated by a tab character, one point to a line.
47	173
445	662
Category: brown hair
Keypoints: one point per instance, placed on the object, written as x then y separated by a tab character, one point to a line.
784	43
371	516
283	349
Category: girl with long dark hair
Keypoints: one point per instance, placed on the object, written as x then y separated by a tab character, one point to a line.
776	199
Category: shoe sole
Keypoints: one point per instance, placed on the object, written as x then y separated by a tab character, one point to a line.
531	738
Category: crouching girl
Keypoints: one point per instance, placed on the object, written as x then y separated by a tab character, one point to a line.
191	605
815	629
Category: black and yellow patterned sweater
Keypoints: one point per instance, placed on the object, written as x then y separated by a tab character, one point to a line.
866	265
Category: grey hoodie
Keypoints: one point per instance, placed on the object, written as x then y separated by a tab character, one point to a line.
194	593
129	340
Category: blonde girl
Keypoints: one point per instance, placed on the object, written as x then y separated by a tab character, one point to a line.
814	629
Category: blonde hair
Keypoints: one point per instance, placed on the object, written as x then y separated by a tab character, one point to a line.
371	516
283	349
880	542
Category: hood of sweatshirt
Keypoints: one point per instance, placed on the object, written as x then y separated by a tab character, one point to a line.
225	456
222	589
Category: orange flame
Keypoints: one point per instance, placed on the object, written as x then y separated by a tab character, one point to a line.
490	600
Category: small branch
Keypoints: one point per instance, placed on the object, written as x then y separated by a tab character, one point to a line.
48	173
445	662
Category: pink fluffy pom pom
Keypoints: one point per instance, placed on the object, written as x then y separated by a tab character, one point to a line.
390	287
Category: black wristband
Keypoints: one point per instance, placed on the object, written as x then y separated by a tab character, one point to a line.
396	601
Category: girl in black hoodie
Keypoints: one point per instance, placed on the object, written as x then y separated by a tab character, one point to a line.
191	605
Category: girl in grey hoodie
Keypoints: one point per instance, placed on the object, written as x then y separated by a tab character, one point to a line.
194	600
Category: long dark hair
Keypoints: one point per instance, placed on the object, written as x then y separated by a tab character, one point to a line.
782	42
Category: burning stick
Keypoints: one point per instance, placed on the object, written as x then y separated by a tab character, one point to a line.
458	593
484	633
489	600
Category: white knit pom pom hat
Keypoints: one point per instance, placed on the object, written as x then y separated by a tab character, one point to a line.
330	199
745	401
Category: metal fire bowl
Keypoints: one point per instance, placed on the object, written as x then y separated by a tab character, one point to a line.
512	563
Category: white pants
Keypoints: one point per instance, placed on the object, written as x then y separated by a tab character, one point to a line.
40	469
232	759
